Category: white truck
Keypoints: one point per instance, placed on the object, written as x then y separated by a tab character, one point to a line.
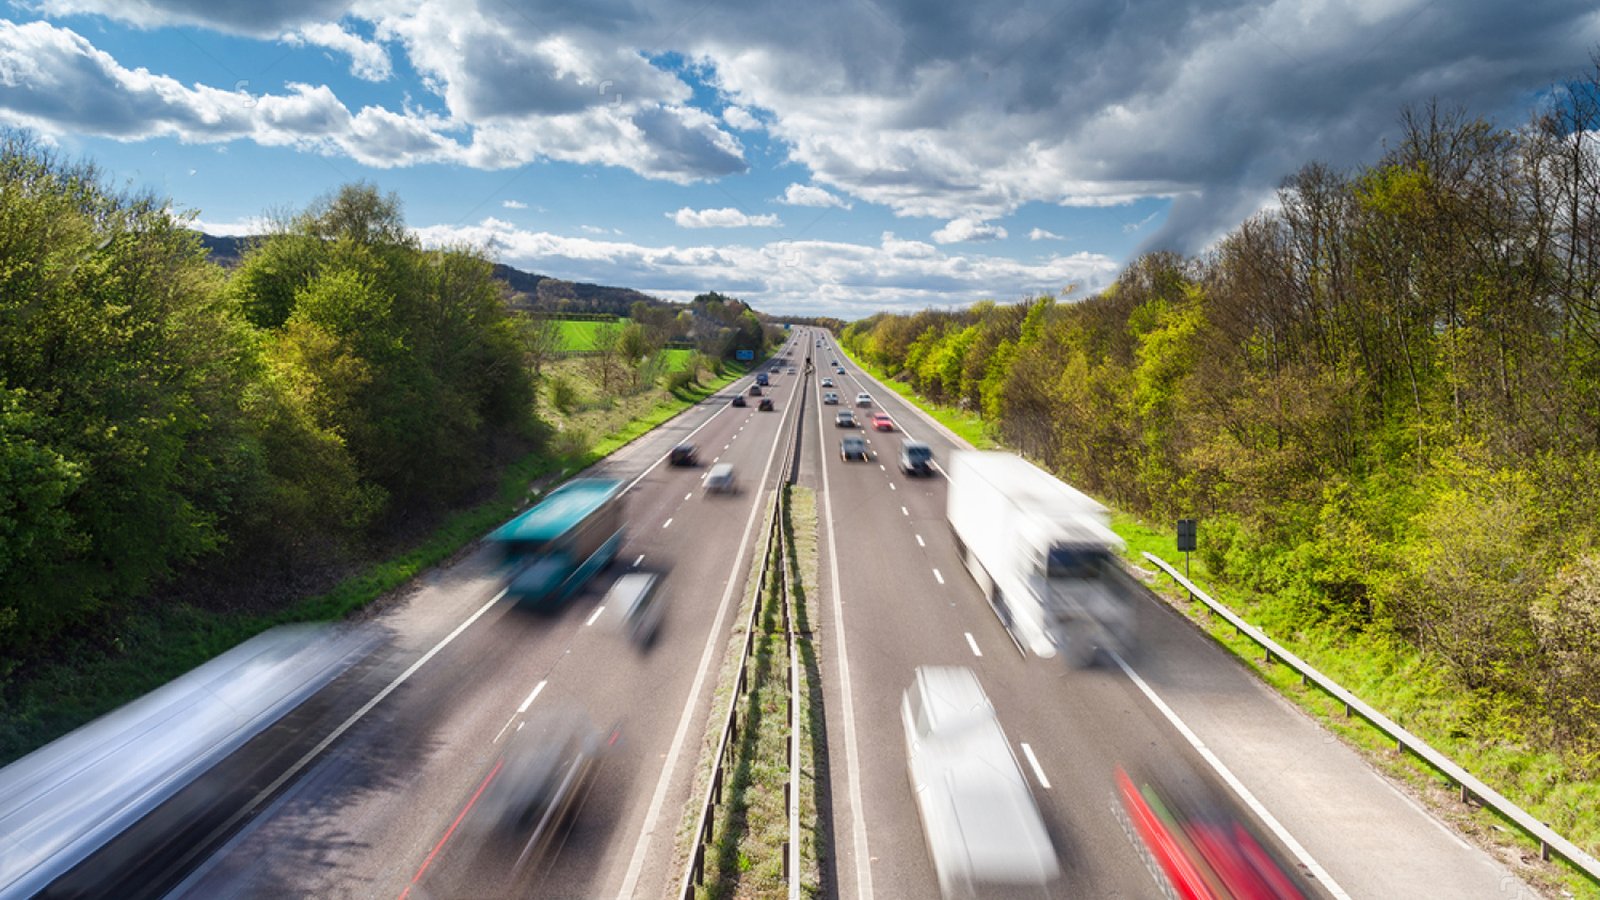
1043	553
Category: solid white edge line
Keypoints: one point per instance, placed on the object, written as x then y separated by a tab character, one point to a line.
1038	770
1233	782
714	639
594	615
973	643
852	756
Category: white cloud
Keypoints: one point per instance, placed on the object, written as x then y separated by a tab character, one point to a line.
808	195
243	228
966	228
726	217
247	17
740	118
1131	227
803	277
1039	234
368	61
513	204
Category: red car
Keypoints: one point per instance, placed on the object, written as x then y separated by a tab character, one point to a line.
882	422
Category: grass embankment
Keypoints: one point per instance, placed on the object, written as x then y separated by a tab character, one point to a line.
1391	676
745	857
154	645
580	334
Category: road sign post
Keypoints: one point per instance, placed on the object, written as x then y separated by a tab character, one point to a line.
1186	541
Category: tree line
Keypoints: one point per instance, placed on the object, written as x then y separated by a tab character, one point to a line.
157	411
1381	397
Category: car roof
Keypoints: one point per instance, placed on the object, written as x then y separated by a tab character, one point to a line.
952	696
721	469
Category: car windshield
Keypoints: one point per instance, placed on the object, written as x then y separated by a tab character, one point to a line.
918	453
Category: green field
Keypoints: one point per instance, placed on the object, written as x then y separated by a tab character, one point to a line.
579	335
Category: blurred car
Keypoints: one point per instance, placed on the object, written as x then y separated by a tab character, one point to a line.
682	455
882	422
755	390
541	783
1200	846
720	479
827	382
978	816
830	398
838	370
765	405
916	458
791	370
845	419
852	447
863	399
738	400
634	595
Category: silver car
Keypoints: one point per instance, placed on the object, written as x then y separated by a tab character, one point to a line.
979	817
720	479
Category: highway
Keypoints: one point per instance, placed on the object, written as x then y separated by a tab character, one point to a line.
363	792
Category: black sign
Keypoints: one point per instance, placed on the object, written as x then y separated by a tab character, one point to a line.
1186	535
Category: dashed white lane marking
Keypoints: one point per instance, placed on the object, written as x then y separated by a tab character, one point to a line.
973	644
639	560
666	523
1037	769
594	615
881	468
688	495
891	484
714	459
918	537
938	576
1233	782
520	710
904	511
533	695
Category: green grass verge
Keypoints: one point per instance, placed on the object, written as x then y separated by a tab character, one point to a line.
153	646
805	571
968	425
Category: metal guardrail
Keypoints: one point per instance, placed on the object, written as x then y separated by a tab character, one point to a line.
694	877
1549	841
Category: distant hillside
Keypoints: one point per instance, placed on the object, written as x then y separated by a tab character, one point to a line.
529	291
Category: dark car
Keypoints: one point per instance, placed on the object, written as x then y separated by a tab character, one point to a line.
852	447
682	455
916	458
738	400
845	419
755	390
766	405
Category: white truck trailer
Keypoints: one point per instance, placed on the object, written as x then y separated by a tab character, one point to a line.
1043	553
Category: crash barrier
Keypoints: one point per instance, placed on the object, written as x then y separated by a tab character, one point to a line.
773	548
1470	787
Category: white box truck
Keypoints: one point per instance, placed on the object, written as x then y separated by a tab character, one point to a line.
1043	553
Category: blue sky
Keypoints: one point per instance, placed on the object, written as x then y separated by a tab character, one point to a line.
837	158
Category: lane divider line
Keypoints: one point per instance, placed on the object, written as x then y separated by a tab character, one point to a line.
1037	769
594	615
937	576
971	642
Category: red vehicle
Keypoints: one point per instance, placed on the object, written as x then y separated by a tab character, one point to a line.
882	422
1205	853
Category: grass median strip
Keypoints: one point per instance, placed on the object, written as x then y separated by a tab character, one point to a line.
750	830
